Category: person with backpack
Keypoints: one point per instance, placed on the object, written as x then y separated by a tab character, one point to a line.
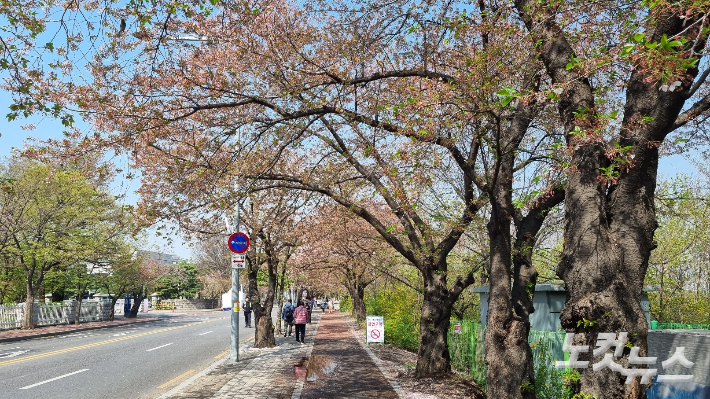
287	317
300	317
247	312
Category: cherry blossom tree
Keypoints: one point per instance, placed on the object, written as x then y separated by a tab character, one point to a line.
341	245
610	215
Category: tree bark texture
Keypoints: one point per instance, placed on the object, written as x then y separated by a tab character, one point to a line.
264	328
138	298
28	316
433	355
357	294
609	225
510	372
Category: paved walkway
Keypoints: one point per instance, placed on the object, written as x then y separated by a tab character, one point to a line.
333	364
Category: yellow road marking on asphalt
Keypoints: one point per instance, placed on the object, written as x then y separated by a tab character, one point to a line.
223	354
110	341
178	378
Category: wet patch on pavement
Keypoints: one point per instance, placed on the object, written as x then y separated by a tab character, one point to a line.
315	368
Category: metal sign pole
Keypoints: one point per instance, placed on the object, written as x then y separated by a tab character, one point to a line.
234	341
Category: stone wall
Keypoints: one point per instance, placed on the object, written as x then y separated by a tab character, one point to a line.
194	304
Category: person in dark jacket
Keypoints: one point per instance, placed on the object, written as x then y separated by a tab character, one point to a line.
287	317
309	307
247	312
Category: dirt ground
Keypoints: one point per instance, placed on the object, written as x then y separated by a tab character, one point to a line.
399	365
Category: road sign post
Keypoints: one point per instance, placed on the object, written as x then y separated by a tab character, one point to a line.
238	243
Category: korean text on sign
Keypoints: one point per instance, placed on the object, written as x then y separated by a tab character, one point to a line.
375	329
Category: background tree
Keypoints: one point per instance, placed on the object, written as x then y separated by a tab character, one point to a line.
179	280
212	259
678	268
340	244
47	214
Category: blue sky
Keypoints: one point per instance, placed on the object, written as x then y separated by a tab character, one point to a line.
14	137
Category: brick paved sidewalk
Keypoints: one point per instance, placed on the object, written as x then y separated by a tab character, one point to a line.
356	372
336	364
260	373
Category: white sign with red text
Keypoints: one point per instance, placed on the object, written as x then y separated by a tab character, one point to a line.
375	329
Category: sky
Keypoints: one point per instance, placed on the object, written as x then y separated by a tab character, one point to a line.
13	136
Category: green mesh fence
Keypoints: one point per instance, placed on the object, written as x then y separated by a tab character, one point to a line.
679	326
467	352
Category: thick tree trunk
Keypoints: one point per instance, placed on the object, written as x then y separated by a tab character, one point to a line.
264	333
610	223
264	336
264	328
357	294
433	355
510	372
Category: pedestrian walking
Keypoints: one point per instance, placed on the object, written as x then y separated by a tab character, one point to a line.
300	317
247	312
309	308
324	305
287	317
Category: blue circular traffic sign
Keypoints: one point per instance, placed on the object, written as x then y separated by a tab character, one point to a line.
238	243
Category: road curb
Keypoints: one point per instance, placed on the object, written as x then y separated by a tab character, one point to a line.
204	372
89	328
73	330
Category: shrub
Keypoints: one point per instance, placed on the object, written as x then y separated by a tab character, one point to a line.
346	304
400	308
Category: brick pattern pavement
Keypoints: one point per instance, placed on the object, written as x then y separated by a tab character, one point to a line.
356	375
260	373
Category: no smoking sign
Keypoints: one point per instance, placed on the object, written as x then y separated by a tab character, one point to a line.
375	329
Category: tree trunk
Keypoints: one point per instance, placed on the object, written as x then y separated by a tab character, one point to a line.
137	301
433	355
610	223
508	357
281	281
111	312
264	328
357	294
77	316
28	322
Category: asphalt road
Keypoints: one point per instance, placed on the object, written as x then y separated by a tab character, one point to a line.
137	361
